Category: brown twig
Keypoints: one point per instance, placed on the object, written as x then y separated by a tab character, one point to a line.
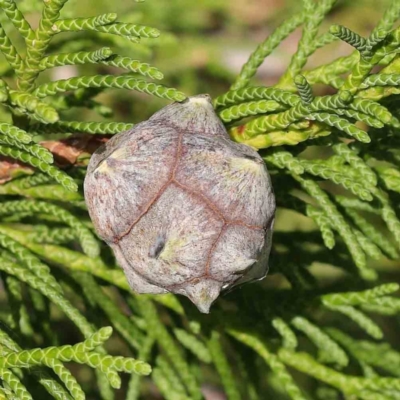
75	150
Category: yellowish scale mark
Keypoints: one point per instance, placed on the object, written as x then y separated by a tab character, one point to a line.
244	164
103	168
118	154
237	171
204	296
172	247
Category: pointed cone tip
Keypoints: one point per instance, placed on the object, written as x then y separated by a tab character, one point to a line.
203	294
201	99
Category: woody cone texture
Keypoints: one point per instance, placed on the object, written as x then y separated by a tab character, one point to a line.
185	209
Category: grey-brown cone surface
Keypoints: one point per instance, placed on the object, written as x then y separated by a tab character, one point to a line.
185	209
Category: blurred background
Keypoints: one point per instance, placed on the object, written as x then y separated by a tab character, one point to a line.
203	43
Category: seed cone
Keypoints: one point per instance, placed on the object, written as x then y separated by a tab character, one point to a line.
185	209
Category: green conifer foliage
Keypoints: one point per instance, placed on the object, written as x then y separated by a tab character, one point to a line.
300	339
